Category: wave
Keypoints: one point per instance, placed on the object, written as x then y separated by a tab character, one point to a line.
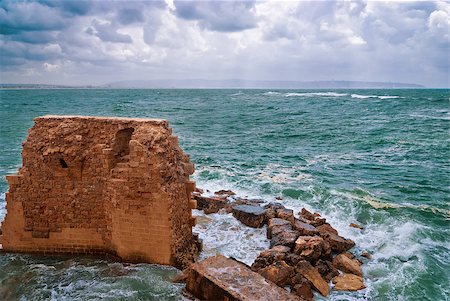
359	96
305	94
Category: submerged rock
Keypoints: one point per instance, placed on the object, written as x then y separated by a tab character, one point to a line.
252	216
353	225
348	282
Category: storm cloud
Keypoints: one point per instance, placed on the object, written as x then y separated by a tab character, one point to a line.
95	42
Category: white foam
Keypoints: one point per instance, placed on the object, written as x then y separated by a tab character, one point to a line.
311	94
359	96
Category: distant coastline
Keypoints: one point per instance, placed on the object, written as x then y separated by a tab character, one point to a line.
223	84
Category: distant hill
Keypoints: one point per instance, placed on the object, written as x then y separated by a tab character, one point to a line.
239	83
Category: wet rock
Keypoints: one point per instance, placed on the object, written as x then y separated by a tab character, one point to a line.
277	225
225	192
221	278
326	228
284	238
210	204
271	210
353	225
286	214
326	269
348	282
338	243
318	222
306	214
302	287
267	257
199	190
304	228
252	216
366	255
278	272
311	248
311	273
347	265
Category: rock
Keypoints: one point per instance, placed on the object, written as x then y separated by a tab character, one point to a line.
304	228
284	238
277	225
180	277
338	243
274	206
311	273
326	228
347	265
348	282
225	192
252	216
306	214
199	190
353	225
302	287
278	272
267	257
279	198
286	214
366	255
221	278
318	222
210	204
271	210
326	269
311	248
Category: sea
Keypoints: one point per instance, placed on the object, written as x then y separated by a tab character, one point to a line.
378	158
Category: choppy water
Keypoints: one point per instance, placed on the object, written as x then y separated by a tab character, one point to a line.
376	157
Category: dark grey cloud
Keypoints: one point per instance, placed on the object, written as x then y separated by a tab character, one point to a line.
224	16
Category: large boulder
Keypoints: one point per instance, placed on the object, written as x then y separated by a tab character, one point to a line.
210	204
348	282
271	210
303	228
311	273
301	287
285	238
267	257
312	248
278	272
326	269
347	265
338	243
252	216
276	226
326	228
286	214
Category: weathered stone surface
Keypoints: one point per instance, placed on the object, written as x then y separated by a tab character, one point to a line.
306	214
304	228
102	185
221	278
311	248
347	265
302	287
338	243
267	257
311	273
252	216
271	210
210	204
348	282
277	225
326	228
278	272
286	214
225	192
326	269
285	238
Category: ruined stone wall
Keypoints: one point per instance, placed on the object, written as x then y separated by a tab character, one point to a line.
102	185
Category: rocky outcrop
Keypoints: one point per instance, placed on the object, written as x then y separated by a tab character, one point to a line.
95	185
347	265
221	278
348	282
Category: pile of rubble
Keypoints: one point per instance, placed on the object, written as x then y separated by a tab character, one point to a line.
306	253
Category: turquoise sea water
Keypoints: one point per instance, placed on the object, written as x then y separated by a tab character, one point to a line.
379	158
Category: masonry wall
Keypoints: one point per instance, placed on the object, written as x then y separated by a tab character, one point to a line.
92	185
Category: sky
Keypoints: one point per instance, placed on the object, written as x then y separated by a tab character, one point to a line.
97	42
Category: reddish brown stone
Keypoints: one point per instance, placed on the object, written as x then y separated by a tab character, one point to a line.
348	282
311	248
353	225
326	228
311	273
285	238
302	287
304	228
347	265
225	192
221	278
276	226
252	216
338	243
102	185
326	269
366	255
278	272
307	215
286	214
210	204
267	257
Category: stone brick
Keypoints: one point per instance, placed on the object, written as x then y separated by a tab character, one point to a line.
96	185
